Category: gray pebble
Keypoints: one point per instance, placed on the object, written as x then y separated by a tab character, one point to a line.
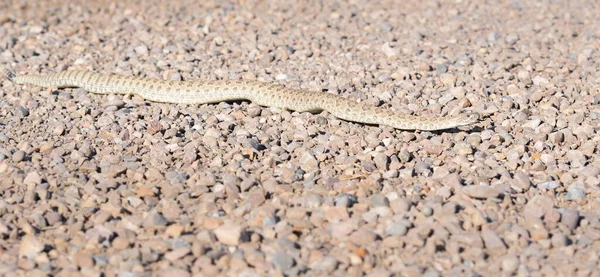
386	27
492	37
441	69
534	123
345	200
383	78
39	220
270	220
446	98
100	260
574	193
570	218
313	201
21	112
423	168
559	240
327	264
321	120
404	156
547	185
45	266
584	240
53	217
180	243
255	144
556	137
512	38
176	177
155	220
464	60
283	261
427	211
397	229
368	166
380	201
390	174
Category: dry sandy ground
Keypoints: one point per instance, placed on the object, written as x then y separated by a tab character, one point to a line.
97	185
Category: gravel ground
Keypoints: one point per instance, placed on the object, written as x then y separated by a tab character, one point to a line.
96	185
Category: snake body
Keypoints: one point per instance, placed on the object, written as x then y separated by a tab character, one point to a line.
264	94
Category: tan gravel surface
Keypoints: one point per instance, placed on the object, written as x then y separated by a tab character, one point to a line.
97	185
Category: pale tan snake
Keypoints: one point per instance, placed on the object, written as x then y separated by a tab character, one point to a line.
264	94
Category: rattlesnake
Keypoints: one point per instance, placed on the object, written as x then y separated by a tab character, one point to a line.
264	94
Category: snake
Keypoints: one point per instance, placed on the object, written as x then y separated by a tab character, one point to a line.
260	93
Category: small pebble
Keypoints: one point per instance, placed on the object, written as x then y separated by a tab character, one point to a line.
427	211
441	68
400	205
363	237
156	220
510	263
345	200
380	201
573	193
30	246
141	49
480	192
327	264
547	185
18	156
397	229
21	112
559	240
83	259
32	178
229	234
283	261
116	103
522	181
493	243
570	218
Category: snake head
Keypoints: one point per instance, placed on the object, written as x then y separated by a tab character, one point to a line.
470	118
8	74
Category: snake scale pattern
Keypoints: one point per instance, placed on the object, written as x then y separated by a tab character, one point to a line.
264	94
